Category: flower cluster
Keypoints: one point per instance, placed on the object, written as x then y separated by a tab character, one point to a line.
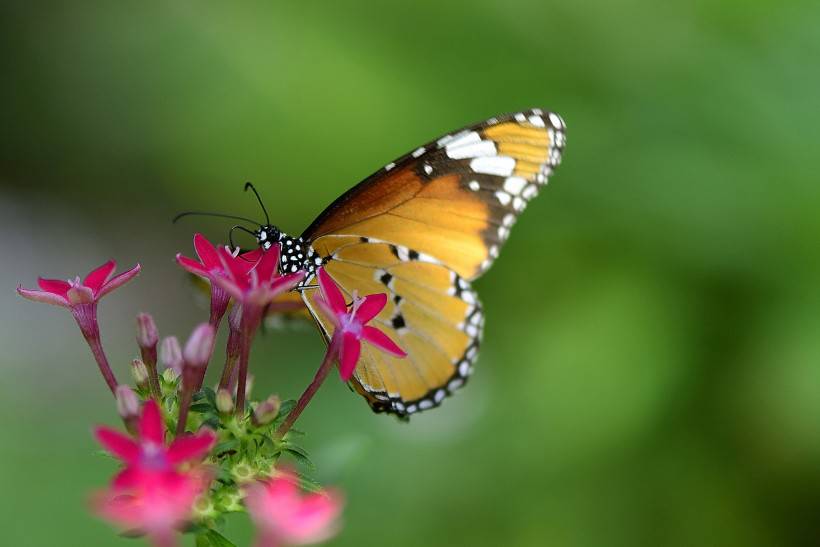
194	453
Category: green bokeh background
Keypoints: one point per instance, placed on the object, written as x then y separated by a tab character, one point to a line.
650	373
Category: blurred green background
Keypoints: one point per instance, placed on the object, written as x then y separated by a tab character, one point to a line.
650	373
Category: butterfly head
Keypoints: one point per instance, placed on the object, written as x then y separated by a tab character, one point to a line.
267	235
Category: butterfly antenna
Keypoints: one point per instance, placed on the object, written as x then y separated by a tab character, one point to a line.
210	214
259	199
238	227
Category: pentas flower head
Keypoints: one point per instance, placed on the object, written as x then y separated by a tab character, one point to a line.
258	285
210	267
351	325
73	293
81	298
284	516
157	505
148	453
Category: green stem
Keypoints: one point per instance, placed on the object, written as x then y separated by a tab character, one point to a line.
321	374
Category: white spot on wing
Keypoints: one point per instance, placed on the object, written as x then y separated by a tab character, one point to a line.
472	150
537	121
418	151
514	185
493	165
474	186
503	197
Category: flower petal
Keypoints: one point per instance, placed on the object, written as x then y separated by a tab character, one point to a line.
229	286
191	447
234	268
382	341
350	352
119	280
151	427
206	252
328	311
192	266
370	308
286	282
54	286
119	444
333	296
97	278
267	267
42	296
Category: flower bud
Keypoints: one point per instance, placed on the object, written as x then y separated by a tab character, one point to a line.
147	333
140	373
224	401
128	404
200	346
266	411
171	354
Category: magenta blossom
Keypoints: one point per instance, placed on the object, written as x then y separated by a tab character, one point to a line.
259	284
147	453
81	298
157	505
284	516
253	289
74	293
210	267
351	326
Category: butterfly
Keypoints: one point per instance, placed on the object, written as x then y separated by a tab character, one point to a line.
421	229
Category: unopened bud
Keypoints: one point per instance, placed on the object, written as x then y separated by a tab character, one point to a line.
128	404
224	401
147	333
266	411
140	372
199	347
171	354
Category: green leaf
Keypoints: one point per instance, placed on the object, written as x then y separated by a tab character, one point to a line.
286	407
212	538
225	446
202	408
307	483
299	455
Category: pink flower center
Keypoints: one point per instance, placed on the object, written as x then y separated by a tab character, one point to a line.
153	456
350	324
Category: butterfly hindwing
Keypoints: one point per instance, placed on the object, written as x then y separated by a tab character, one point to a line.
431	313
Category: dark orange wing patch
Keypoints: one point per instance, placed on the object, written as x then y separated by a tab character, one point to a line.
455	198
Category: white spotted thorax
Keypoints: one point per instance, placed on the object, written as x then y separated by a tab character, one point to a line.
295	254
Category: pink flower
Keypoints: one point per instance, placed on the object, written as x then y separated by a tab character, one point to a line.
283	516
210	267
258	285
74	293
351	327
147	453
81	298
254	289
156	505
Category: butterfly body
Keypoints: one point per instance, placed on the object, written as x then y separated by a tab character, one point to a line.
420	230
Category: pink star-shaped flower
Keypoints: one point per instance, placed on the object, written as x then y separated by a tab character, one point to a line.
157	505
148	452
210	267
351	326
73	293
258	285
284	516
81	298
